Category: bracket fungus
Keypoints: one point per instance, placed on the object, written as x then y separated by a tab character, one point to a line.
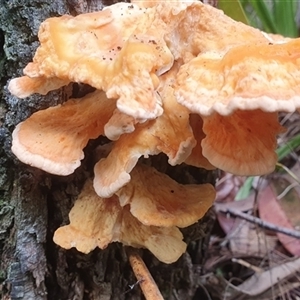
207	97
170	133
164	202
96	222
240	91
53	139
114	50
139	215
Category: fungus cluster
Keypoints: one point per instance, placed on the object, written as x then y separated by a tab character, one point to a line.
207	97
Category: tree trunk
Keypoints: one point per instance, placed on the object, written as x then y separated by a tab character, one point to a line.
34	204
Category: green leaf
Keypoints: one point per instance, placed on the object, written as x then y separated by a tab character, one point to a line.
234	10
265	16
245	189
284	16
288	147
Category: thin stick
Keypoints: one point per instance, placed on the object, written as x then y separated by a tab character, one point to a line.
247	265
259	222
142	274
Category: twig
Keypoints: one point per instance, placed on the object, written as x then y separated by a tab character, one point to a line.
132	286
247	265
264	224
287	189
232	233
142	274
294	176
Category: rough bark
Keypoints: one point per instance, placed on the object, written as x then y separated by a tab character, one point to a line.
34	204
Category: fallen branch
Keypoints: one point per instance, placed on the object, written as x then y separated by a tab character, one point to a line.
259	222
142	274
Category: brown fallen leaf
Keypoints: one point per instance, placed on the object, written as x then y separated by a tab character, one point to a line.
228	186
289	200
246	238
227	222
271	211
260	282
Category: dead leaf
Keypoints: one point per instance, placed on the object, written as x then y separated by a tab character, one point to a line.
227	187
247	238
241	205
226	222
290	202
260	282
271	211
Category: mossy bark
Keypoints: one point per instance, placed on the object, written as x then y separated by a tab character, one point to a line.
34	204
